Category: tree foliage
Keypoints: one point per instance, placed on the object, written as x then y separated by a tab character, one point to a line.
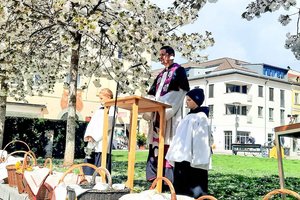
49	39
259	7
37	37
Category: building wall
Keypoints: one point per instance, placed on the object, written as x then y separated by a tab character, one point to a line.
56	103
257	127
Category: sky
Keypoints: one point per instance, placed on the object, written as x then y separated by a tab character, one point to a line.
258	41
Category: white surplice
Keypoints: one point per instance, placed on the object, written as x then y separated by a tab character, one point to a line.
95	128
191	142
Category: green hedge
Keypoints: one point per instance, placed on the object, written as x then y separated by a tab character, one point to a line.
33	132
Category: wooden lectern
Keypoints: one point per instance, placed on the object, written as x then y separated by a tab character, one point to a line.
136	104
292	130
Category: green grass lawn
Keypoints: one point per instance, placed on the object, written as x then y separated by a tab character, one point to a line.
232	177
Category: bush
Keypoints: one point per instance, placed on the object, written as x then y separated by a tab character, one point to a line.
141	139
33	132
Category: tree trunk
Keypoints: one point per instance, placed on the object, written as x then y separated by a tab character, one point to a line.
3	99
71	120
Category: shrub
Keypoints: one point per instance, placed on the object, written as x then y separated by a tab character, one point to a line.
33	132
141	139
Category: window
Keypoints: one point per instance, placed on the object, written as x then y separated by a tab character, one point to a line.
211	91
297	98
260	111
244	89
271	114
243	137
282	98
232	110
260	91
282	116
271	94
244	110
236	88
232	88
228	140
211	111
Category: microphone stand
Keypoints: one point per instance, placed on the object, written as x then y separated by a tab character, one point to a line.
115	107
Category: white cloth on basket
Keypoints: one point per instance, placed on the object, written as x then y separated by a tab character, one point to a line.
152	195
36	178
72	180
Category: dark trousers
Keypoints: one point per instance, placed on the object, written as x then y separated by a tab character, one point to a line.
151	167
96	160
190	181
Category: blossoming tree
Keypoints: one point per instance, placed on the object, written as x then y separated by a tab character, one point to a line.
258	7
53	38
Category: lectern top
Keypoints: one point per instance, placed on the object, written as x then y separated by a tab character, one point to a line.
144	104
291	130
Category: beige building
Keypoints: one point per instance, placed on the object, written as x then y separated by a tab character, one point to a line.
55	105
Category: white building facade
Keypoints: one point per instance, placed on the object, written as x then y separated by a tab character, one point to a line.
245	100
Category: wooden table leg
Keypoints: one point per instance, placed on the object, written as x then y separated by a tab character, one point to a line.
280	164
131	154
160	163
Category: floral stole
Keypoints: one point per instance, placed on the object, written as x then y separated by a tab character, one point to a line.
168	80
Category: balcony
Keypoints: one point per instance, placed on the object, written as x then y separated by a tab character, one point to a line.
244	99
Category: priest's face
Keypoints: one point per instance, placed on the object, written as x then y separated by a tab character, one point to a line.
164	58
190	103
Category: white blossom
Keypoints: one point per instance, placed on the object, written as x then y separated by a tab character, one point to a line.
258	7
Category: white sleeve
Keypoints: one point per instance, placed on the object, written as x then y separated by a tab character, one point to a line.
95	126
175	99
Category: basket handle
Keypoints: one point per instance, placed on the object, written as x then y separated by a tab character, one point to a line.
98	171
15	152
281	191
209	197
15	141
172	190
79	166
12	142
47	162
25	164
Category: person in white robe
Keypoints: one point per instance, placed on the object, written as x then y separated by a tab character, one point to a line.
190	151
94	133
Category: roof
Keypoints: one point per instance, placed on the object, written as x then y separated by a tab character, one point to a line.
220	64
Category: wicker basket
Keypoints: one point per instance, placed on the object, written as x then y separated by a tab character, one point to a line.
11	170
110	194
45	191
12	177
21	182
